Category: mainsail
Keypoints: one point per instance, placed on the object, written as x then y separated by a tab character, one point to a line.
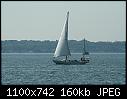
62	48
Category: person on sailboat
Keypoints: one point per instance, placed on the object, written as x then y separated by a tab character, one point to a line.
82	58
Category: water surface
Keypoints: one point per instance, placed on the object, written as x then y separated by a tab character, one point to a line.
38	69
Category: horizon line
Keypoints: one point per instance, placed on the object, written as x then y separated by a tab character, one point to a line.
58	39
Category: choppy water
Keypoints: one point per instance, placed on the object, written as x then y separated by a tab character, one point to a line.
38	69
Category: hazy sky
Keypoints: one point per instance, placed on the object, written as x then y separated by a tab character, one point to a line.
43	20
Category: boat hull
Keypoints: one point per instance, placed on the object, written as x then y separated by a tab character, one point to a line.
70	62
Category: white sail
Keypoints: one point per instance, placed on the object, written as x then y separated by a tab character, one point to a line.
62	48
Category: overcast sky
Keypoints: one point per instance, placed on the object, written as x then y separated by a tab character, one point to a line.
43	20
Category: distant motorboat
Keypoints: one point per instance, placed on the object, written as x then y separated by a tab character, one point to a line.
62	49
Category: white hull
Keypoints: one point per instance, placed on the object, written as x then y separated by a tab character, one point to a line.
71	62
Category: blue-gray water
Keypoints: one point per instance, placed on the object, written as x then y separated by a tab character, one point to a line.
38	69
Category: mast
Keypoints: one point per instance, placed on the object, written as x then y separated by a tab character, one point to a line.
84	46
84	49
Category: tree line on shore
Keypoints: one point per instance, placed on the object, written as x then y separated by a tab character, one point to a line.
47	46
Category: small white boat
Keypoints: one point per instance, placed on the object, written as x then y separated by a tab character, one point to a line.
62	49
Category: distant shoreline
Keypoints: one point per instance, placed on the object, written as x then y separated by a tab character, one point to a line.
30	46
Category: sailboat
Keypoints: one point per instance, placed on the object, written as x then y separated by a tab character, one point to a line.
62	49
